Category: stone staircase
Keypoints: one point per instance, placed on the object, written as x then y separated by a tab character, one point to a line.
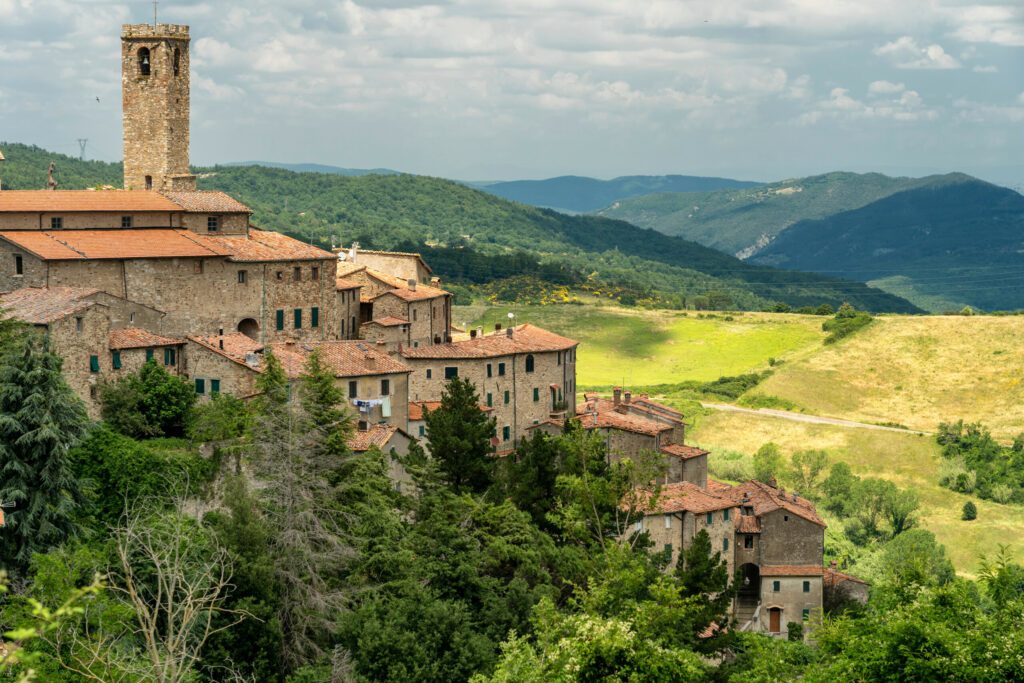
746	612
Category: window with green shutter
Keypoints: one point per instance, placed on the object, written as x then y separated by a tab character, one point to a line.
117	359
94	363
298	318
214	386
490	370
506	433
490	400
807	586
170	356
149	354
776	586
536	394
501	369
708	518
725	515
506	397
280	319
314	317
200	386
451	372
806	614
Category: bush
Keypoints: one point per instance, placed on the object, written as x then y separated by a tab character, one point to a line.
1002	493
730	465
795	631
152	402
970	511
846	321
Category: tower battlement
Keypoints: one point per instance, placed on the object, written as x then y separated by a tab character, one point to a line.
176	31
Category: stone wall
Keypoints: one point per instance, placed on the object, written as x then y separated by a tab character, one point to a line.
348	313
694	470
791	599
368	388
89	219
521	411
793	541
229	224
398	265
76	338
235	378
33	269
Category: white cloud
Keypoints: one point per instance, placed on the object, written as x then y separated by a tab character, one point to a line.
889	101
905	53
988	69
885	88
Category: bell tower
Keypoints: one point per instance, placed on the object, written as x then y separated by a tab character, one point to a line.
155	102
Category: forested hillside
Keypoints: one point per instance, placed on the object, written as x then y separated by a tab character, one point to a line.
418	212
579	194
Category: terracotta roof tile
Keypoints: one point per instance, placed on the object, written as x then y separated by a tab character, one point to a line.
388	321
833	577
416	409
341	283
72	201
525	339
683	452
136	338
44	305
235	346
345	358
346	269
74	245
377	435
748	524
686	496
764	498
610	419
792	570
206	201
263	245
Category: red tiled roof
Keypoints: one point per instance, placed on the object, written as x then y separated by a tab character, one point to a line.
717	486
234	346
377	435
834	577
686	496
610	419
748	524
341	283
388	321
136	338
206	201
73	201
524	339
645	401
683	452
764	498
347	268
345	358
263	245
142	243
400	287
792	570
417	409
44	305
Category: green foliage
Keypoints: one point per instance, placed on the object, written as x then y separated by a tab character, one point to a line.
460	435
41	419
806	471
529	476
152	402
768	464
970	512
704	575
846	321
974	462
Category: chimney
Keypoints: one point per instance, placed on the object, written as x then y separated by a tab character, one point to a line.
617	395
472	334
371	360
480	331
352	251
509	332
220	343
497	327
412	284
628	397
435	281
833	564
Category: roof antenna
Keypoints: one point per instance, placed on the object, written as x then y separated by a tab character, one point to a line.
155	3
51	184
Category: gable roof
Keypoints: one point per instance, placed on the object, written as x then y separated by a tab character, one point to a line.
611	419
377	435
343	283
263	245
44	305
234	346
833	577
764	499
206	201
404	254
345	358
72	201
525	338
137	338
418	408
792	570
388	321
114	243
683	452
685	496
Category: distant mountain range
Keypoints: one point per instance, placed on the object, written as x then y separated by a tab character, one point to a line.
474	236
577	194
316	168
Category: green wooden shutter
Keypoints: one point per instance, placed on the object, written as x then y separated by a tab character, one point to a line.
94	363
200	386
506	398
117	360
149	354
536	394
314	317
214	386
490	400
280	319
298	318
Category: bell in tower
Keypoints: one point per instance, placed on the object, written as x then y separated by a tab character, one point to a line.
155	102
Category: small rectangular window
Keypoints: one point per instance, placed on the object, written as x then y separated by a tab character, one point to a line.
212	223
296	273
314	317
423	430
668	521
668	551
559	358
501	369
19	265
242	275
170	356
214	386
199	267
536	394
126	221
149	355
280	319
414	315
748	541
708	518
776	586
94	363
353	388
506	397
725	515
116	357
725	544
298	318
806	614
385	387
451	372
78	324
430	373
279	275
200	386
56	223
490	370
314	273
506	433
490	400
807	586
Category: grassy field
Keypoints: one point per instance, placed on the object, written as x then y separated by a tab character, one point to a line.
915	371
632	347
908	460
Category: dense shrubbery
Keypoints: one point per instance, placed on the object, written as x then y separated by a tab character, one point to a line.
846	321
976	463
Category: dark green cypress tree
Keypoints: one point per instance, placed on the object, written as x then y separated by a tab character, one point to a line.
460	435
703	573
41	419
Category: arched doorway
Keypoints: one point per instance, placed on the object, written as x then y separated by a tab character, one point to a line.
751	581
250	328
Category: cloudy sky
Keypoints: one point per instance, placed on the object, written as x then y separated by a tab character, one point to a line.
495	89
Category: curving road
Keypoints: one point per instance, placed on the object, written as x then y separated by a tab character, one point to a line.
811	419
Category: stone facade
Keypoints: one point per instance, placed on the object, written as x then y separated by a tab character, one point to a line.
155	77
348	309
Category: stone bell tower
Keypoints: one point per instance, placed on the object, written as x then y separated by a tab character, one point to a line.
155	100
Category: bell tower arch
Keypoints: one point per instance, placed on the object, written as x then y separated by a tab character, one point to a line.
155	105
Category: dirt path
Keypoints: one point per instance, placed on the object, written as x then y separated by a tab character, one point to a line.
812	419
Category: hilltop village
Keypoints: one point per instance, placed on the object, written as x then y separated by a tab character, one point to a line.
163	272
